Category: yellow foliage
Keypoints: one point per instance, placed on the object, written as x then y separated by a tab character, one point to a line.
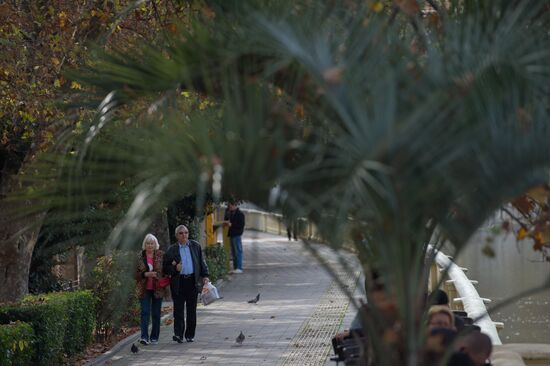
75	85
521	234
376	6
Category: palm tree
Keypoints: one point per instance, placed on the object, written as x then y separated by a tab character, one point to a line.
380	121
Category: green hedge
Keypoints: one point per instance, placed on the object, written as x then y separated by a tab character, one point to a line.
80	309
216	259
62	322
16	344
49	321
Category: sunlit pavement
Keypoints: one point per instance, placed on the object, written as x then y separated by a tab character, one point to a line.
300	308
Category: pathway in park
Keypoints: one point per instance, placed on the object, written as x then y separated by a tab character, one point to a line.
301	307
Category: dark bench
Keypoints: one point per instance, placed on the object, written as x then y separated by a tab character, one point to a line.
350	351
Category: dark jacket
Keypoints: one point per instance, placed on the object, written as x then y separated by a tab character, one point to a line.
236	218
141	280
199	265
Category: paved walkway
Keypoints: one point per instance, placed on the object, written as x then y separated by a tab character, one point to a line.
300	308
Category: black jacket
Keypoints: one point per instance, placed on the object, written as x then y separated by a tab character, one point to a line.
199	265
236	218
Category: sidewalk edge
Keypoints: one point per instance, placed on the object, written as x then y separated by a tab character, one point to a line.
134	337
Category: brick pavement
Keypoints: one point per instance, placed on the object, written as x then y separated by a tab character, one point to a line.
293	287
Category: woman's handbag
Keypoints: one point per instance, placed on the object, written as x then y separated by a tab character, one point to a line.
164	281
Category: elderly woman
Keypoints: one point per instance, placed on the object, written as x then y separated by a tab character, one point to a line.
150	290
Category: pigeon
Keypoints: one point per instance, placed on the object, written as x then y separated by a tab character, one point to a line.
134	348
254	300
240	338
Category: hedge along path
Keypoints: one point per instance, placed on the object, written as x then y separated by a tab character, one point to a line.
312	344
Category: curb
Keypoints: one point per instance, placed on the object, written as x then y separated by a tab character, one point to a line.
134	337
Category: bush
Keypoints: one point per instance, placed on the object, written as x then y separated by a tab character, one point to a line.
113	285
216	259
48	320
16	344
80	308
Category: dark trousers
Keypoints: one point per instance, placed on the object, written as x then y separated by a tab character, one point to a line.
185	301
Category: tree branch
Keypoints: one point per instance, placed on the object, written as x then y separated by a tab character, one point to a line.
514	218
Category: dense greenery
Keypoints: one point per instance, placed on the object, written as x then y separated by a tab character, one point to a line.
16	344
79	307
49	321
216	259
62	325
113	286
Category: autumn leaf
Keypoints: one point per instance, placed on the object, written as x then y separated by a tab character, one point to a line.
172	28
299	110
75	85
538	245
521	234
62	19
523	204
539	194
376	6
433	20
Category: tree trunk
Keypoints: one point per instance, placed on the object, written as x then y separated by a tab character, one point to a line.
159	228
17	240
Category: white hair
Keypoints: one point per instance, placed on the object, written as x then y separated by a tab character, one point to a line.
150	238
179	227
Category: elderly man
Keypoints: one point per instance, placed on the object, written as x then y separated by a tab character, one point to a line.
184	262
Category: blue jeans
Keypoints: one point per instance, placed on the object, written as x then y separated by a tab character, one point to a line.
237	252
150	307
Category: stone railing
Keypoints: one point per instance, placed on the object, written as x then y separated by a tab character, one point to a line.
465	297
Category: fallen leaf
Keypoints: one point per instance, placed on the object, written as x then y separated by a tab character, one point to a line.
521	234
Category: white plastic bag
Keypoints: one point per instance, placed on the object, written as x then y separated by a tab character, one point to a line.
209	294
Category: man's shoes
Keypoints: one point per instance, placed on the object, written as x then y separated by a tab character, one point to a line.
154	341
177	339
238	271
144	341
189	340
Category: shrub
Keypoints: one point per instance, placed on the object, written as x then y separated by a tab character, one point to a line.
48	320
113	285
216	259
16	344
80	308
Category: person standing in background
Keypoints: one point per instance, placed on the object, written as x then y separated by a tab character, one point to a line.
235	219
